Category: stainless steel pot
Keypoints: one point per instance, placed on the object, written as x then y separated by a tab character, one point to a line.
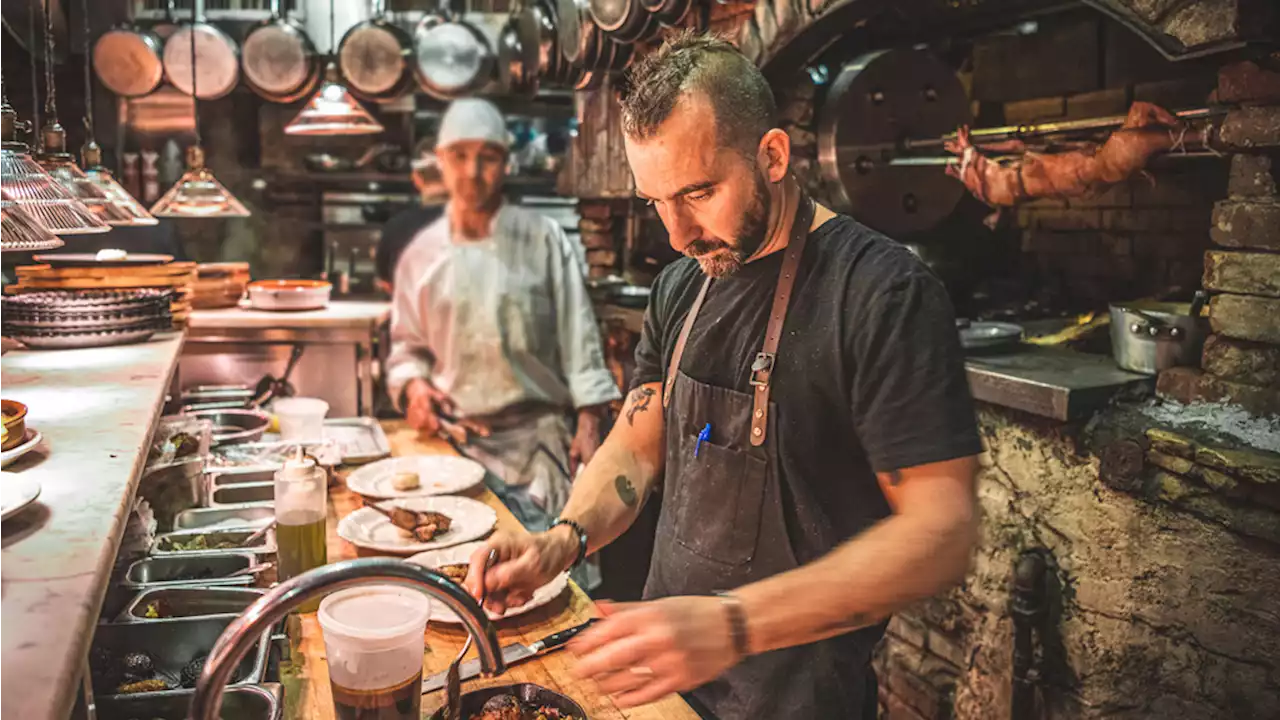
1148	336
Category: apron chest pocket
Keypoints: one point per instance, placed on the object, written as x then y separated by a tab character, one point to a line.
719	496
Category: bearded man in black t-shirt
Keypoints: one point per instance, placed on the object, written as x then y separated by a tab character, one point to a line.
800	399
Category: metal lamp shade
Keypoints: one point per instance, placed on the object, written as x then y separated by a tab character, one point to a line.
198	194
333	111
20	232
27	185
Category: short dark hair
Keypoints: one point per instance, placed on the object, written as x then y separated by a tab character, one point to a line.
707	64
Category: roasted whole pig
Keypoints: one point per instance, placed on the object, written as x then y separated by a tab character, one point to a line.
1076	172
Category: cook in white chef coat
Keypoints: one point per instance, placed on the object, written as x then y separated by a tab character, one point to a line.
492	326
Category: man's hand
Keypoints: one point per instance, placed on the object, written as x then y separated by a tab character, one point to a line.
586	441
524	564
423	402
642	652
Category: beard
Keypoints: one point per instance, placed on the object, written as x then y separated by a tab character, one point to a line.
718	258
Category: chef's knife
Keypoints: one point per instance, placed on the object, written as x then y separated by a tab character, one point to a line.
512	654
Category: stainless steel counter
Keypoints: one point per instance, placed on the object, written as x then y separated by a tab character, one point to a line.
1051	382
341	344
96	409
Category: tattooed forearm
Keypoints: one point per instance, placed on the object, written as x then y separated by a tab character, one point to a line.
638	401
626	491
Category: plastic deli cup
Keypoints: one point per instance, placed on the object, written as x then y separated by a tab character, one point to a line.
373	637
301	418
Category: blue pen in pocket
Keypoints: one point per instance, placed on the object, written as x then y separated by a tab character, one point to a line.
705	435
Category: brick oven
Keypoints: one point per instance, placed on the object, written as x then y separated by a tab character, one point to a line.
1131	529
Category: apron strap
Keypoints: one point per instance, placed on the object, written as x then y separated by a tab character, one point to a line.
762	368
674	366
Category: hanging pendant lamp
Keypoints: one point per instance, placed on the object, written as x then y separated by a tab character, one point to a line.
20	232
197	194
332	110
126	210
26	184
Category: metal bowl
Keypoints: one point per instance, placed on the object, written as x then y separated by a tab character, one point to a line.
528	693
233	426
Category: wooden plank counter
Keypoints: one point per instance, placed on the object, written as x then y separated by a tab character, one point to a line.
306	677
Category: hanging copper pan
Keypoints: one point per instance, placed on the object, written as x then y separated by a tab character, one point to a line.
376	58
216	58
517	66
623	20
454	59
279	61
129	60
576	32
668	12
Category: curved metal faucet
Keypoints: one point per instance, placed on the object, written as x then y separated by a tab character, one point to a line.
272	607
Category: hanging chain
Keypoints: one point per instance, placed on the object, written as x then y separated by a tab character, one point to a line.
195	110
35	74
88	77
51	97
333	48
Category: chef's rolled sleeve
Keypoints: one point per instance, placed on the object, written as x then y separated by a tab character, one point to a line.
578	331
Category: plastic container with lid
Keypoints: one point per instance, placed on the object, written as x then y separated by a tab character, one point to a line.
373	636
301	418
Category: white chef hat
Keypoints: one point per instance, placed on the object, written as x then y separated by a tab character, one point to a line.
472	119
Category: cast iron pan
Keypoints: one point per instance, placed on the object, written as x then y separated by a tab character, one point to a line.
528	693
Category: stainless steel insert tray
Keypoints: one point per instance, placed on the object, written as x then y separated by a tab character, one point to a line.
243	702
262	494
263	545
224	518
190	569
185	602
171	645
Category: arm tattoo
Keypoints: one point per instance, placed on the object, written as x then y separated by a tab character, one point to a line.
626	491
640	399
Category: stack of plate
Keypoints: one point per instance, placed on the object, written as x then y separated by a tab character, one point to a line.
86	318
219	285
79	271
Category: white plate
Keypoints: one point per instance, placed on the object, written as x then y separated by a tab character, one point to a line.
33	439
370	529
461	554
438	475
16	493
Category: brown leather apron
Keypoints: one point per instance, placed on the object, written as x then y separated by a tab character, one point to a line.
722	526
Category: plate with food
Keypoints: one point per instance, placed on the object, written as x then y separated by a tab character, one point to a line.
416	476
413	525
30	440
454	562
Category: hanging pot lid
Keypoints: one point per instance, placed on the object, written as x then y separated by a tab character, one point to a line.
454	58
279	61
668	12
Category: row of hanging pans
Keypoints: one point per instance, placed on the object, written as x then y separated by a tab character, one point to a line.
567	43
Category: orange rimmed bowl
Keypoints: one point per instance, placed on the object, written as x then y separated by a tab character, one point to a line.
15	423
289	294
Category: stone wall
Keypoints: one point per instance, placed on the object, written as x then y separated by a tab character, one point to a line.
1153	610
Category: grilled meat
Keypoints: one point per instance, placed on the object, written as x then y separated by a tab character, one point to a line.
423	525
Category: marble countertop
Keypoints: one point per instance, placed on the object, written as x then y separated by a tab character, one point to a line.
340	314
96	409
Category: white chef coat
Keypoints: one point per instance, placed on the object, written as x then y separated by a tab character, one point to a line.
497	321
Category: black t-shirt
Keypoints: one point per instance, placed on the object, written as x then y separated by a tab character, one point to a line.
869	374
398	232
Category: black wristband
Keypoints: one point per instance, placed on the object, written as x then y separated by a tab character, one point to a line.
737	623
582	538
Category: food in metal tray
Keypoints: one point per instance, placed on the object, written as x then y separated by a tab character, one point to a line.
199	542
